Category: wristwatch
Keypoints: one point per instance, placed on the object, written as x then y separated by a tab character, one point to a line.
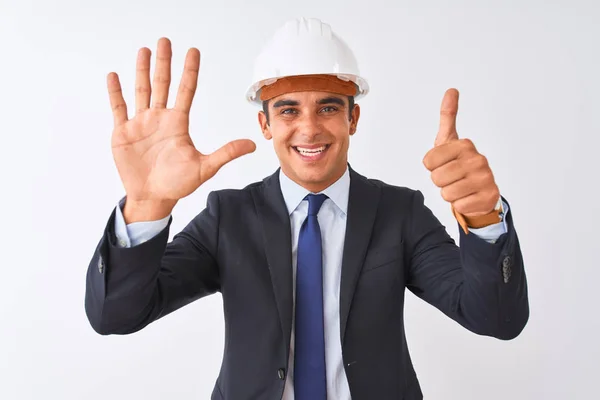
494	217
499	207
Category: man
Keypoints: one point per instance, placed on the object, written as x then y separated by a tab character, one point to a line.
313	261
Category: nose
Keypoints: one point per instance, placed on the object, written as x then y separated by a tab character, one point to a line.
309	126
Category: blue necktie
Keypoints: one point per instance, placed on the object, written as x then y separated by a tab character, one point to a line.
309	361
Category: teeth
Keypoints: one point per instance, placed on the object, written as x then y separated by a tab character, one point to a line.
309	152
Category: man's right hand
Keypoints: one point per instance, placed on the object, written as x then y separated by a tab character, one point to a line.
154	154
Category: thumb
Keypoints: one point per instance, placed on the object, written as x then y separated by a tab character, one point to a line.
447	131
227	153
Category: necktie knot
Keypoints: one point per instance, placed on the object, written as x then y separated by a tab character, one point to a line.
315	201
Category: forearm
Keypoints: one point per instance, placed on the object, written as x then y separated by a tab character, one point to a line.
481	285
493	299
121	295
129	287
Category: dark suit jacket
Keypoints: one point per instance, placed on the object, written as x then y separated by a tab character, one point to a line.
240	246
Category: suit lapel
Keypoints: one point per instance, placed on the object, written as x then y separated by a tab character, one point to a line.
363	201
276	231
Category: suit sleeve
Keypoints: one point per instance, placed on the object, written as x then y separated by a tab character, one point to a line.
128	288
480	285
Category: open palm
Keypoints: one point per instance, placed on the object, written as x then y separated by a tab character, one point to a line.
153	151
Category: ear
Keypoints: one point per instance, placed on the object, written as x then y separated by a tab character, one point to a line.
354	119
264	126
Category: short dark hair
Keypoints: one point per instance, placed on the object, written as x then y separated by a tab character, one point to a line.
265	107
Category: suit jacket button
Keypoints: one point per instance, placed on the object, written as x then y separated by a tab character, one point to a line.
281	373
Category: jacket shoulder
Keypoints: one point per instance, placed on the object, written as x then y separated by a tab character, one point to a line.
242	195
391	190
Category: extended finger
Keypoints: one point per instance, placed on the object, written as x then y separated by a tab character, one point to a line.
227	153
117	102
162	74
189	81
142	80
448	113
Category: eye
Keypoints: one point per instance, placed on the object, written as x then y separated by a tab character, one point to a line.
329	109
287	111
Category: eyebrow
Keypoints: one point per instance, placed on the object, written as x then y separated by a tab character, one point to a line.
331	100
283	103
326	100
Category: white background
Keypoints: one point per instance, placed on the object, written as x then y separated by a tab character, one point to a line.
527	72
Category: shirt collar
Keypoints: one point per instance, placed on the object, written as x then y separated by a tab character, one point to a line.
293	194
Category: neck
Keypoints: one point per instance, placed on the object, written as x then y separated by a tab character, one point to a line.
316	187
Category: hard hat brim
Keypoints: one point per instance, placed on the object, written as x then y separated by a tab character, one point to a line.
253	92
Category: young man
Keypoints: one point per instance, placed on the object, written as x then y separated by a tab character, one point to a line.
313	261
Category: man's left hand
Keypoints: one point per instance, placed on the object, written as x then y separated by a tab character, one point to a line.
462	173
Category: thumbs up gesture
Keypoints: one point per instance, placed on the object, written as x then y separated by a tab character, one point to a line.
462	173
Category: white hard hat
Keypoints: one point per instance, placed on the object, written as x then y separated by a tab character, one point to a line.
305	46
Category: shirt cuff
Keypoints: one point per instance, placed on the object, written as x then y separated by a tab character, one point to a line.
491	233
129	235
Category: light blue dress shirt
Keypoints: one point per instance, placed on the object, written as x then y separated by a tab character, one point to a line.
332	220
139	232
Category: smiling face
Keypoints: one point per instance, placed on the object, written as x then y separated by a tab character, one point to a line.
311	135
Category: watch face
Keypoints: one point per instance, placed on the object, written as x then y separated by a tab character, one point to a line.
501	209
499	206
